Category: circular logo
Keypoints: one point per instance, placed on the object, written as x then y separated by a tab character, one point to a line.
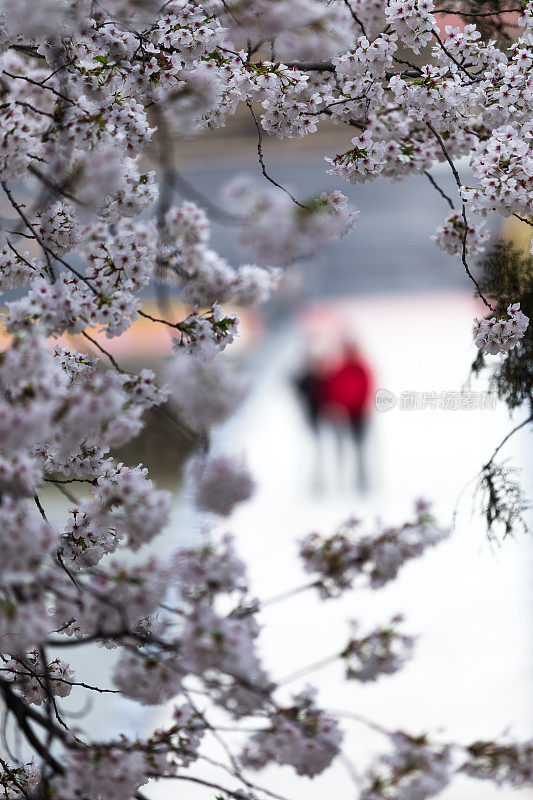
384	400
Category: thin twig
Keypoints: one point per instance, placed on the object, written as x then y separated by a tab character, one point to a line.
459	184
479	13
301	673
24	218
102	350
67	494
354	16
84	685
39	506
436	186
465	262
453	168
158	319
39	84
262	160
523	219
311	66
473	78
506	438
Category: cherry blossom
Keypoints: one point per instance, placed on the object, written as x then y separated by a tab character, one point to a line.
381	652
363	162
301	735
209	569
415	770
150	680
503	763
300	231
203	394
500	335
339	559
219	484
451	235
34	681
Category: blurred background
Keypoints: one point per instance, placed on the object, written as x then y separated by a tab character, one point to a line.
422	429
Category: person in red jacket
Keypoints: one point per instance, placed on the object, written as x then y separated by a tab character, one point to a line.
345	398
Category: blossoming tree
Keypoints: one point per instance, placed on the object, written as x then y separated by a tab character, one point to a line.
85	85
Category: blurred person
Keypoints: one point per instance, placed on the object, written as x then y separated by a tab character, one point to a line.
309	387
345	402
336	393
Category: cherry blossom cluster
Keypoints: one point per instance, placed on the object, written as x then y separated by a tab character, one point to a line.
506	764
453	232
381	652
120	771
300	230
217	646
503	166
501	335
219	483
51	422
125	505
34	680
413	21
415	769
204	394
363	162
20	778
301	735
210	569
214	644
122	766
17	269
338	560
205	334
206	277
369	58
151	680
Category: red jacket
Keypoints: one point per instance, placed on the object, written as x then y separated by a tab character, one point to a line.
347	387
